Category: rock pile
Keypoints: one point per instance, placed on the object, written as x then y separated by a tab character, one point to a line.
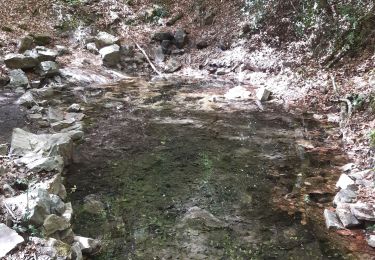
351	209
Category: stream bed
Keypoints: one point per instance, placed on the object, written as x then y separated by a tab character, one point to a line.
170	173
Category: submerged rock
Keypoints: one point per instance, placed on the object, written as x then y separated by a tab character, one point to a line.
9	239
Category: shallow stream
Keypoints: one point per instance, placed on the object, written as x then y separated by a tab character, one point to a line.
179	181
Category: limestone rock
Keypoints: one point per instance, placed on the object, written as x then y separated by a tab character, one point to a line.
345	215
9	239
110	55
88	245
20	61
104	39
344	181
48	69
18	78
263	94
54	223
332	222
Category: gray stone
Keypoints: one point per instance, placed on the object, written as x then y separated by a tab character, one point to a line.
18	78
4	80
47	55
57	206
60	250
202	44
75	108
68	213
42	39
104	39
91	47
263	94
162	36
3	149
110	55
371	240
62	50
344	196
172	65
35	84
53	186
26	100
180	38
93	205
76	251
361	175
363	211
345	215
43	93
88	245
48	69
9	239
332	222
25	43
159	56
75	116
38	163
8	191
54	223
58	126
347	167
20	61
55	115
344	181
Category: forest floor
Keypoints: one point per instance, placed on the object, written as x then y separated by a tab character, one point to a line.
297	80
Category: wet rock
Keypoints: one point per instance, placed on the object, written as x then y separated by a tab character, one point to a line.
54	223
180	38
9	239
42	39
88	245
332	222
18	78
110	55
26	100
74	108
104	39
202	44
172	65
93	205
371	240
344	196
25	43
363	211
345	215
20	61
91	47
344	181
48	69
163	36
263	94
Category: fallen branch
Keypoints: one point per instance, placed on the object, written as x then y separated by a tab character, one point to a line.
148	59
10	211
